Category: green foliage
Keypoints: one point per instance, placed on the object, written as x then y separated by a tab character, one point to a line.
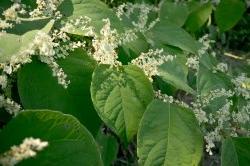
165	33
120	96
228	13
93	9
198	17
13	43
108	147
175	73
62	131
173	13
166	83
235	152
44	91
163	131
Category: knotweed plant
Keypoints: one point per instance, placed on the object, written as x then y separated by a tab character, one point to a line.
150	83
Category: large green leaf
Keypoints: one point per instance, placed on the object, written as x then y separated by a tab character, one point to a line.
169	135
170	34
235	152
120	96
39	89
66	153
228	13
109	148
68	139
176	13
11	44
198	17
94	9
175	73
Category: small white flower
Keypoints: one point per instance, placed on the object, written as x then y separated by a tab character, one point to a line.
28	148
9	105
151	60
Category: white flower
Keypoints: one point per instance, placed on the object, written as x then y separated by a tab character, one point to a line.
151	60
28	148
221	67
44	44
242	85
142	18
3	81
193	62
5	25
169	99
200	115
105	45
9	105
11	13
206	44
46	8
56	71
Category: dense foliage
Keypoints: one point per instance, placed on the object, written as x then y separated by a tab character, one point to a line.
124	82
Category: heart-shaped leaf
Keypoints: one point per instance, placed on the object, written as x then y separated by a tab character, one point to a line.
169	135
120	96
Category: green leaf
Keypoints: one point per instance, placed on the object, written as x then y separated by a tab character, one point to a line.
169	135
175	73
198	17
66	153
207	80
94	9
228	13
61	131
28	24
11	44
108	147
120	96
173	12
39	89
170	34
235	152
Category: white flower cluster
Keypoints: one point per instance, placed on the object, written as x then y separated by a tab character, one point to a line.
220	123
105	45
3	81
222	67
221	120
12	107
143	9
42	46
205	119
213	94
28	148
151	60
56	71
206	44
82	23
11	15
128	36
169	99
46	8
63	45
242	85
243	115
193	62
5	25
